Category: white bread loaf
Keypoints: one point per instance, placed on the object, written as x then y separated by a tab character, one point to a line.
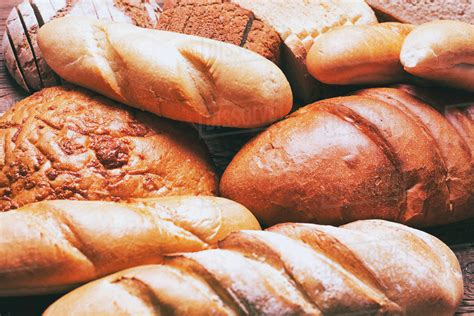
52	246
359	54
442	51
299	22
368	267
177	76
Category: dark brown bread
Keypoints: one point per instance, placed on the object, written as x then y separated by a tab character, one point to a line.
381	154
223	21
421	11
368	267
68	144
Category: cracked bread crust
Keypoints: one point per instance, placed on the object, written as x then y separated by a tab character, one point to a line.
379	154
69	144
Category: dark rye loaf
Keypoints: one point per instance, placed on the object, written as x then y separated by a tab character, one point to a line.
222	21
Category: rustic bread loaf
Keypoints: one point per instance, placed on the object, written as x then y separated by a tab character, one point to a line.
26	18
422	11
299	22
359	54
52	246
182	77
222	21
382	154
69	144
442	51
368	267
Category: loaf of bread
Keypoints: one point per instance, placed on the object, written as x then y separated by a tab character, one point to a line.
299	22
368	267
26	18
182	77
52	246
222	21
442	51
422	11
381	154
359	54
69	144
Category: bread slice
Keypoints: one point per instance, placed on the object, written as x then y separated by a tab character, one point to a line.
299	22
418	12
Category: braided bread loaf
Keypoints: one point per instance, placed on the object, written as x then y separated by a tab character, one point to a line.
380	154
52	246
370	267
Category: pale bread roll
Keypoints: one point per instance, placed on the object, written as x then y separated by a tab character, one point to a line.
359	54
442	51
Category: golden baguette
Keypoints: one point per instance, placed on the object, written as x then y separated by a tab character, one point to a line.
182	77
53	246
370	267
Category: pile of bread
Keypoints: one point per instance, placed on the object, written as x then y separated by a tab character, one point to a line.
103	179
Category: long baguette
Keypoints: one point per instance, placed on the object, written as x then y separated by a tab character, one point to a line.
368	267
442	51
361	54
52	246
178	76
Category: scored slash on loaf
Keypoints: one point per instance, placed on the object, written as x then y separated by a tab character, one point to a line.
367	267
380	154
177	76
53	246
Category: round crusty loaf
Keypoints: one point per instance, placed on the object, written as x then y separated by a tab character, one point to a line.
51	246
68	144
382	154
27	17
368	267
182	77
359	54
442	51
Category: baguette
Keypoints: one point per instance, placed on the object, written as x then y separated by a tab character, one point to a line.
368	267
178	76
53	246
380	154
442	51
359	54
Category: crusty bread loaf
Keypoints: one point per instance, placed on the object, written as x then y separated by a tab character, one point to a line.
69	144
422	11
26	18
382	154
368	267
52	246
359	54
442	51
299	22
183	77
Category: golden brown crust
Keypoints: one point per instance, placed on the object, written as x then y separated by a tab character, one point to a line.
344	56
383	154
442	51
366	267
69	144
52	246
183	77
